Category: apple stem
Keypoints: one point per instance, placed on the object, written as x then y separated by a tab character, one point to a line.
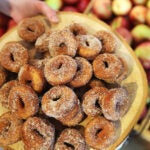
89	7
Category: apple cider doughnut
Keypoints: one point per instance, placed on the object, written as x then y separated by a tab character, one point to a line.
107	67
10	129
32	76
70	139
59	101
91	103
30	29
77	29
60	69
13	55
94	82
100	133
4	92
89	46
23	101
62	43
115	103
38	134
109	43
83	74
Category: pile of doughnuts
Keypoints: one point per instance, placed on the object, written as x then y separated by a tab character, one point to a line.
54	81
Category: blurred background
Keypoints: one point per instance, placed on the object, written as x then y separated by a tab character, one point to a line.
130	19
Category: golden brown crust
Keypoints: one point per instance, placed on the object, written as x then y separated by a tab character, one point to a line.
10	129
70	139
30	29
13	55
32	76
23	101
101	133
38	134
3	76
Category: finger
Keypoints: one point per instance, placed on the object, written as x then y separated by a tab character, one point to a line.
47	11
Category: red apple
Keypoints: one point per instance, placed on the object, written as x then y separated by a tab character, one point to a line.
125	33
138	14
139	2
70	8
81	5
120	21
11	24
70	1
121	7
102	8
3	20
142	51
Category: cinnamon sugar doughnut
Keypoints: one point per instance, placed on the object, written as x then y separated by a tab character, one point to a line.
77	29
107	67
30	29
91	103
3	76
13	55
83	74
37	134
62	43
60	69
89	46
10	129
32	76
4	92
109	43
59	101
101	133
115	103
70	139
42	42
23	101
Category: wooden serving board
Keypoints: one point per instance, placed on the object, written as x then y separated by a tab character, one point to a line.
136	82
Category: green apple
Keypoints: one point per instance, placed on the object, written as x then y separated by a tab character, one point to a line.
55	4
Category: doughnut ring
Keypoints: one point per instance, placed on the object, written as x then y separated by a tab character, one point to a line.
42	42
62	43
37	134
70	139
23	101
115	103
10	129
13	55
59	101
101	133
109	43
2	76
60	69
107	67
89	46
30	29
77	29
91	103
83	74
32	76
4	92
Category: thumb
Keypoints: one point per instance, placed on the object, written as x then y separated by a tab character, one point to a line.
43	8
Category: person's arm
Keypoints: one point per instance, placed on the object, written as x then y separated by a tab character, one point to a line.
19	9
